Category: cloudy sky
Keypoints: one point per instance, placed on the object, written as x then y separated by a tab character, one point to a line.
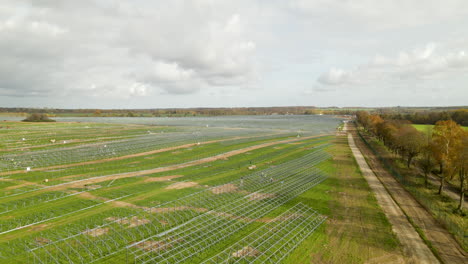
211	53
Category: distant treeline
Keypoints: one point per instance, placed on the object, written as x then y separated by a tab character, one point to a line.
417	115
459	116
294	110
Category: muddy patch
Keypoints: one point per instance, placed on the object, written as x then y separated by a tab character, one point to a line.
246	252
261	196
164	178
95	232
131	222
226	188
153	246
42	241
92	187
181	185
39	227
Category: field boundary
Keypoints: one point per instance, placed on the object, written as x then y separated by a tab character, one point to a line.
442	243
414	245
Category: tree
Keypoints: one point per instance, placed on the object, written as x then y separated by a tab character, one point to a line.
387	131
374	121
363	119
447	137
36	117
411	142
461	162
426	163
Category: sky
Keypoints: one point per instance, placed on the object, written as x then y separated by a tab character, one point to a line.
215	53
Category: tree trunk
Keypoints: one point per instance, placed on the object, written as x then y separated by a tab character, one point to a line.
410	157
442	180
462	200
462	189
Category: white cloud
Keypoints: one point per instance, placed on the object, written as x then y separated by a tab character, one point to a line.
137	53
121	49
421	63
382	14
335	77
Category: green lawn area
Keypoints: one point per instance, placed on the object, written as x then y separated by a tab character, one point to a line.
424	128
357	230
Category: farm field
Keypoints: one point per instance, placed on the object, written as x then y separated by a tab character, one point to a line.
424	128
252	189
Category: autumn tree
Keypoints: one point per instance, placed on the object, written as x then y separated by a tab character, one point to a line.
410	141
374	122
363	118
447	137
426	163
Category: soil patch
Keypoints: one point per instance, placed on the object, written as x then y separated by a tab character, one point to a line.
95	232
153	246
246	252
132	222
181	185
42	241
261	196
164	178
226	188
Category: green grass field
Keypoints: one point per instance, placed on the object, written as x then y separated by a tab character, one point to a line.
425	128
95	207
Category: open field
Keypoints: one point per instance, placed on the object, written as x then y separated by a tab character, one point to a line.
424	128
253	189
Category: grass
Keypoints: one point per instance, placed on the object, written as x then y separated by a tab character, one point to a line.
424	128
443	208
356	230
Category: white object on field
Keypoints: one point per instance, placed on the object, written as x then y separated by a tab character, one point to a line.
52	141
46	180
28	168
251	167
23	139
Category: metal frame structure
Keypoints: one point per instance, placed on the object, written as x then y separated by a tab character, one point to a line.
184	217
273	241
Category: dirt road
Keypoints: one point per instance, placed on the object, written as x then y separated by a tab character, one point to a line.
415	248
447	247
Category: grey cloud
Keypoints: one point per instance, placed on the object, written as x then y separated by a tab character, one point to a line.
120	49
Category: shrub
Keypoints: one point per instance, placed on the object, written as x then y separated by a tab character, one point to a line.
38	118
